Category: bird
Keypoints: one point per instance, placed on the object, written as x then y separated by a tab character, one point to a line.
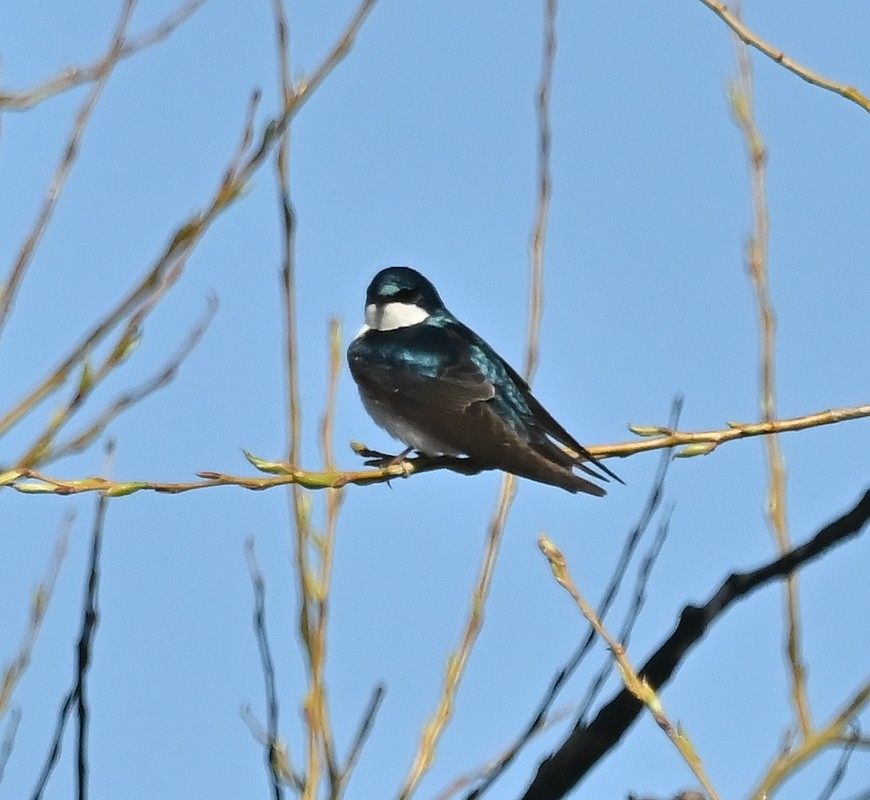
434	384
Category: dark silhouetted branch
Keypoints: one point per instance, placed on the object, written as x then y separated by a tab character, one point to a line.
77	696
587	744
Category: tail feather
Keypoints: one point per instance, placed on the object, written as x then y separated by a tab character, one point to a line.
543	470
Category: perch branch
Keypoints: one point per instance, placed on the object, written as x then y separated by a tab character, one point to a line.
653	438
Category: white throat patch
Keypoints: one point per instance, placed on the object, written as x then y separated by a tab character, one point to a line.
391	316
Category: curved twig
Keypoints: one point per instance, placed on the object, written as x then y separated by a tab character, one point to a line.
753	40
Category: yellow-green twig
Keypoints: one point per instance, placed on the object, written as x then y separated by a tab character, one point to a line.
458	660
742	104
654	438
633	682
704	442
834	734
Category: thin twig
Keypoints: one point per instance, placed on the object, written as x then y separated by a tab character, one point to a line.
8	740
458	660
745	35
77	696
704	442
742	104
333	499
542	206
38	607
482	773
288	238
587	744
312	593
314	585
541	716
633	682
363	731
818	739
85	651
45	449
9	288
54	752
277	754
840	771
642	579
35	482
168	266
71	77
299	508
596	685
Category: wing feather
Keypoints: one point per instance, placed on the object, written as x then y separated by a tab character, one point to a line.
432	382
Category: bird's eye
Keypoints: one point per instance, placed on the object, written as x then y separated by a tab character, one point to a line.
410	296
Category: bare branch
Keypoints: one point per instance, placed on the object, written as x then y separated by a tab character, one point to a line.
9	288
45	449
742	105
587	744
745	35
638	686
31	481
363	731
542	207
8	740
75	76
77	696
39	605
840	772
278	757
541	718
458	660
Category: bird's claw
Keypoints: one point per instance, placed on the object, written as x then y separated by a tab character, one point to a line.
384	460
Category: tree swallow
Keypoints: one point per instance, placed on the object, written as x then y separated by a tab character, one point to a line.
434	384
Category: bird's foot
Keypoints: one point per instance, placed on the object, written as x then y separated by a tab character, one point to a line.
402	461
374	458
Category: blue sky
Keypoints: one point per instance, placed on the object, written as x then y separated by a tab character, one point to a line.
420	150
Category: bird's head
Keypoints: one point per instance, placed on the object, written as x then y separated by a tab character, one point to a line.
399	297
